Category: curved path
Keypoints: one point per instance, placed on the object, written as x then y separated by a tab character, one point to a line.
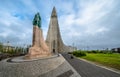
86	69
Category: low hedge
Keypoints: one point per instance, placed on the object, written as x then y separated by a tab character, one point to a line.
79	53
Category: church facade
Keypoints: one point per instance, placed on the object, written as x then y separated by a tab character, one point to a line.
53	39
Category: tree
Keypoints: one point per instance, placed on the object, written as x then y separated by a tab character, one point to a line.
1	47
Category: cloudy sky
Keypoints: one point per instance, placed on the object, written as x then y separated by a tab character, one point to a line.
93	24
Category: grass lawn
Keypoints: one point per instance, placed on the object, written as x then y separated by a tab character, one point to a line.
111	60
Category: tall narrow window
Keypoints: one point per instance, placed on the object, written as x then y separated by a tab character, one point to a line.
53	46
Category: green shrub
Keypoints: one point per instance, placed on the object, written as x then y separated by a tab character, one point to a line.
79	53
100	51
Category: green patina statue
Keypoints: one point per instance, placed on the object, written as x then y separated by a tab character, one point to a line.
37	20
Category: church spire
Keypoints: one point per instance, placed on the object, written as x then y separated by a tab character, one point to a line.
54	40
54	14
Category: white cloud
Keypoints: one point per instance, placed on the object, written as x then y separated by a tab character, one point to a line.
93	11
96	31
89	16
83	20
86	21
3	34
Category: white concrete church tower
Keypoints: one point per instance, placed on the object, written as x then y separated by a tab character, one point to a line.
54	40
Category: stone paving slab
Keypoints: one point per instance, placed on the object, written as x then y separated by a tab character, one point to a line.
61	71
50	67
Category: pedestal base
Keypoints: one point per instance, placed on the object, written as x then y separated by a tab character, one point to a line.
37	52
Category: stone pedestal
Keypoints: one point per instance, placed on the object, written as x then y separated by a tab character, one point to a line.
39	47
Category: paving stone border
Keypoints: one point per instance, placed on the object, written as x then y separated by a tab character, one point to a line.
21	59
